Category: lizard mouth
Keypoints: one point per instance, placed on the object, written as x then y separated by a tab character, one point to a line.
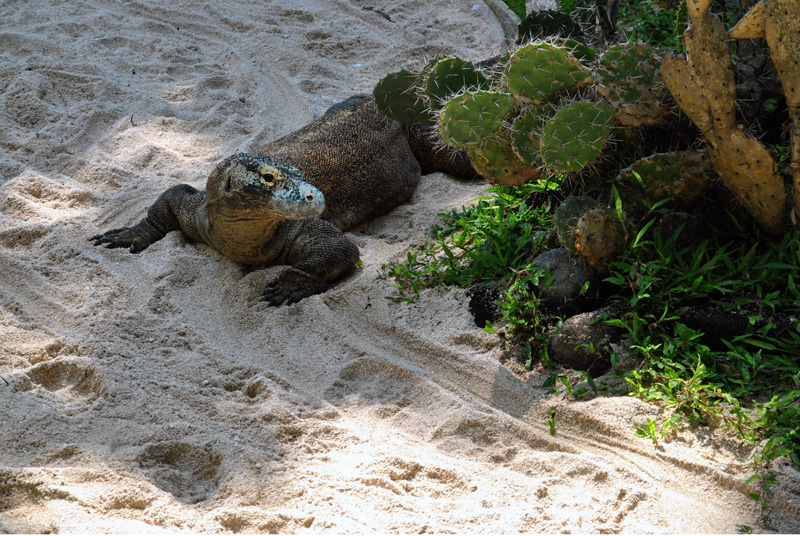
298	202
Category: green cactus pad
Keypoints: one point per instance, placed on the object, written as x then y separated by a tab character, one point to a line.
547	23
576	136
396	96
566	216
469	117
450	76
585	54
525	131
681	177
627	76
426	69
539	72
495	161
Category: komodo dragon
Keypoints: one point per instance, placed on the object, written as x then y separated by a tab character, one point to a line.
291	200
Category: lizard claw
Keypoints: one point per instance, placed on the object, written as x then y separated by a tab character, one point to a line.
292	286
125	237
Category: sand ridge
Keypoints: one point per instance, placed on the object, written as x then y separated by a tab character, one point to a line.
152	393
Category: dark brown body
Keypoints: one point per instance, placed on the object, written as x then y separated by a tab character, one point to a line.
359	158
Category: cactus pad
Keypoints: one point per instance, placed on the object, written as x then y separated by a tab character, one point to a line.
469	117
566	216
546	23
782	30
525	131
599	238
627	75
681	177
495	161
450	76
396	96
576	136
703	85
538	72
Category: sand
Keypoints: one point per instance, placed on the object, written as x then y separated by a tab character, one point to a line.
154	393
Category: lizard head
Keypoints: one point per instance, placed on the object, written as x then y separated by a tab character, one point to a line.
254	187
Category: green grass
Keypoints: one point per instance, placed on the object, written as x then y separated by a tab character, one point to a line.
644	20
488	242
749	384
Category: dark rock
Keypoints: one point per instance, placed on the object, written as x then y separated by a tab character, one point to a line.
719	324
483	305
567	346
569	273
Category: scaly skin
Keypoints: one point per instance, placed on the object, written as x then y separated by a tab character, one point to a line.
266	208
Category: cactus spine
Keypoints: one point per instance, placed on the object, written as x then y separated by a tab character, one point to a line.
538	72
627	76
703	85
469	117
576	136
778	22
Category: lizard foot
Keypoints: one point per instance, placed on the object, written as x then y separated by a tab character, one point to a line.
292	286
137	238
121	238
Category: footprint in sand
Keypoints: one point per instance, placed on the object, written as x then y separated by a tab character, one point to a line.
71	378
189	472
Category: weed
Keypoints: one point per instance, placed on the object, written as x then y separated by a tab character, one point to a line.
748	383
551	421
645	21
751	385
490	242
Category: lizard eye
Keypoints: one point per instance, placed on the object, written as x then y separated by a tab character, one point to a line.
268	179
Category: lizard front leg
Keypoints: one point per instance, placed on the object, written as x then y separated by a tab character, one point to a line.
172	211
319	255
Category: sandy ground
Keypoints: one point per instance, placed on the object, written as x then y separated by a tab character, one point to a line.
152	393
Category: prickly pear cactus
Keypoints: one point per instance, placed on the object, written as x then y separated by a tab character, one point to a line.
538	72
703	86
472	116
680	177
496	162
628	76
566	216
426	69
583	53
525	131
778	22
547	23
576	136
450	76
396	96
599	238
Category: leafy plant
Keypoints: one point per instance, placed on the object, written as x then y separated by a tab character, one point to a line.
490	242
517	7
645	20
748	383
751	384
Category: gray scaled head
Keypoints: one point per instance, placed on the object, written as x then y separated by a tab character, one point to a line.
256	186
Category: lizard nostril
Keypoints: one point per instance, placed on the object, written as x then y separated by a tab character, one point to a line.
310	197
